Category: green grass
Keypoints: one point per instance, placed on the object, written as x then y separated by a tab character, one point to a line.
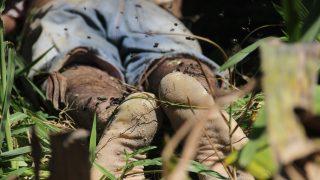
18	115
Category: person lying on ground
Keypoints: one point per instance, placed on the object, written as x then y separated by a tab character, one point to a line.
117	59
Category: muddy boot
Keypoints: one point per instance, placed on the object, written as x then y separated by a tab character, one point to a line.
87	91
133	127
181	88
183	81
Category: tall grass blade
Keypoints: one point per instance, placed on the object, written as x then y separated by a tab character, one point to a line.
141	151
313	32
201	169
29	66
294	12
15	173
21	129
311	27
17	117
239	56
93	139
16	152
312	19
35	88
105	172
145	163
5	123
3	69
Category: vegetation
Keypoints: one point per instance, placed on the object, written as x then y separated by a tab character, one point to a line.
20	118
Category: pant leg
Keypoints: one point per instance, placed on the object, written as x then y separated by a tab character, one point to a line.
139	30
144	33
63	26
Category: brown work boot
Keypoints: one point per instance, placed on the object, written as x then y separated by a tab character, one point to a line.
188	85
131	125
85	91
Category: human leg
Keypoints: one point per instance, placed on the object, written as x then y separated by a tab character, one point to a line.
76	35
90	91
133	127
192	85
156	44
127	124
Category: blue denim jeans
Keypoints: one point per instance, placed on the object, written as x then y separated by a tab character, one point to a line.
125	36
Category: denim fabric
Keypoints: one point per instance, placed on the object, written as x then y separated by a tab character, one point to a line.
127	34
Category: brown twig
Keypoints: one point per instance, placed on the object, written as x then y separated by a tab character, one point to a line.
257	29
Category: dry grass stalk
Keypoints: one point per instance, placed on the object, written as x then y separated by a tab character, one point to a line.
195	129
